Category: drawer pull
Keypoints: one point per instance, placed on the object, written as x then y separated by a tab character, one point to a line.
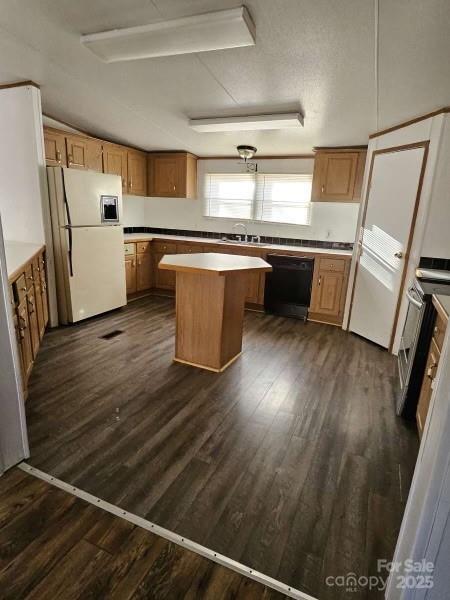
320	280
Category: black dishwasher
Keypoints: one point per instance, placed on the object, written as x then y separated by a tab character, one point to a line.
288	286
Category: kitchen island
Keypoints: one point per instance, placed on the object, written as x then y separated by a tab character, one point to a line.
210	298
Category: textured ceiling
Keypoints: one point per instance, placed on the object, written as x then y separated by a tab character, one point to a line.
312	55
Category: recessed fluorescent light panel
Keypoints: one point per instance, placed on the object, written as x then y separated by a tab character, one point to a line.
248	123
217	30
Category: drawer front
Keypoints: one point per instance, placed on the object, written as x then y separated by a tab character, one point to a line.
130	249
20	289
439	331
165	247
189	248
142	247
332	264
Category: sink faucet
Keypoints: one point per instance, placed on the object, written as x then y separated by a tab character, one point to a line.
245	231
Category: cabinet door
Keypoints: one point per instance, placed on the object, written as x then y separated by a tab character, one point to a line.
115	162
130	274
24	336
335	176
55	149
94	156
38	297
144	271
77	152
426	390
255	281
44	293
327	293
137	173
167	176
33	322
164	280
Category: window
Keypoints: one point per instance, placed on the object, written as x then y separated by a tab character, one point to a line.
259	197
230	195
284	199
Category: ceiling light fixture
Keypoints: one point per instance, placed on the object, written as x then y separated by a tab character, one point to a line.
216	30
248	123
246	152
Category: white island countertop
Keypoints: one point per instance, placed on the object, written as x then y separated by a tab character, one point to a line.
213	263
135	237
18	254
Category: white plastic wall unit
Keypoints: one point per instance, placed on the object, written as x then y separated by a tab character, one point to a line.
24	204
13	431
432	210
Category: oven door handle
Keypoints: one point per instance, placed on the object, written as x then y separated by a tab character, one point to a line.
413	300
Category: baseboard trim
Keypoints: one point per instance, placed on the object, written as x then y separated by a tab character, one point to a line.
168	535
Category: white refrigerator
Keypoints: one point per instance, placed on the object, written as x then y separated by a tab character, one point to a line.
86	212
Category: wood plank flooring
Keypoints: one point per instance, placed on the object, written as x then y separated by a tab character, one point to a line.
54	545
292	461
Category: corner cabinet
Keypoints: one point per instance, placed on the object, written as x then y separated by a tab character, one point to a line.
329	289
172	175
137	172
338	175
115	162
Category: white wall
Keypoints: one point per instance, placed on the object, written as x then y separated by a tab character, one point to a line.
436	241
21	165
13	433
331	221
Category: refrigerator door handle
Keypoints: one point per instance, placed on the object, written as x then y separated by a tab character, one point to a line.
69	225
70	251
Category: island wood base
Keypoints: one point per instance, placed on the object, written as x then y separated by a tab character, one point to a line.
209	321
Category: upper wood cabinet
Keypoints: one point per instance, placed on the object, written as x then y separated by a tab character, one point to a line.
338	175
77	150
172	175
137	173
84	153
55	148
115	162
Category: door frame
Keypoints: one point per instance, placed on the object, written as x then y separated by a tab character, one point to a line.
425	145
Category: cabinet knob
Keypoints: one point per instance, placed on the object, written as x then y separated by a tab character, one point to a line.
69	159
322	189
320	280
58	157
436	330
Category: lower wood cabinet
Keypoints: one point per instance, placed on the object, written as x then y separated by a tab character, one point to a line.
329	289
29	299
255	281
130	274
434	355
138	267
329	285
143	271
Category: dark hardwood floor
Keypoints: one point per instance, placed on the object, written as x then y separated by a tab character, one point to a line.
54	545
292	461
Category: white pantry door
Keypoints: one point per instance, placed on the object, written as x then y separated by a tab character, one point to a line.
384	243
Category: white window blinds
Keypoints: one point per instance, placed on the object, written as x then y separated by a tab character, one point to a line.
260	197
284	198
230	195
